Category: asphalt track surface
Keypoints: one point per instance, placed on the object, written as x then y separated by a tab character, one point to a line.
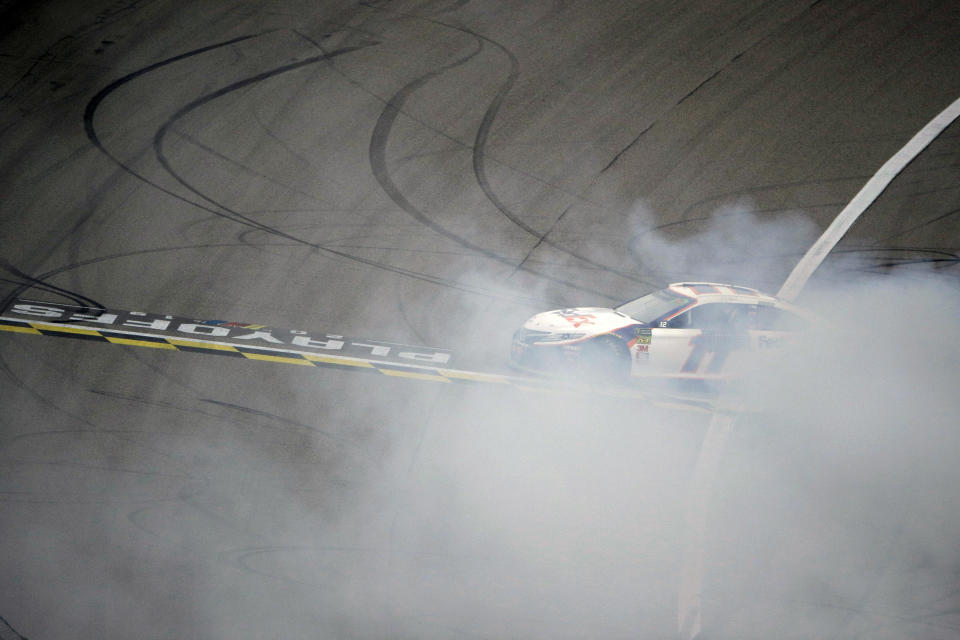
431	173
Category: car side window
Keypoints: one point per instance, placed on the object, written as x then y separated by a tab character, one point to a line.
723	316
681	321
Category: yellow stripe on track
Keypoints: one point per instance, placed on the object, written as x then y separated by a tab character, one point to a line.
266	358
414	375
201	345
15	329
141	343
334	360
474	377
62	329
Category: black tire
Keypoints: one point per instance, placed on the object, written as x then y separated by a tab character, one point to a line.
606	359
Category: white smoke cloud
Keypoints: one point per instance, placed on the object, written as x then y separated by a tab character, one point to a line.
736	244
533	515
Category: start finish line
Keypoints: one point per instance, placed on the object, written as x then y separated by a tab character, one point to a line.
110	322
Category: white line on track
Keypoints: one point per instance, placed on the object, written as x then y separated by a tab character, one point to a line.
689	611
868	194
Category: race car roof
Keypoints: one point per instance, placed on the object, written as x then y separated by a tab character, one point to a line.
702	289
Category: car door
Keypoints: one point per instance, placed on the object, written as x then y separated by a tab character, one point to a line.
707	341
670	346
775	329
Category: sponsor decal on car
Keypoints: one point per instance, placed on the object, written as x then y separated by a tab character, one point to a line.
576	318
641	352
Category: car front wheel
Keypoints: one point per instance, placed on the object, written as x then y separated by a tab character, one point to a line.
606	359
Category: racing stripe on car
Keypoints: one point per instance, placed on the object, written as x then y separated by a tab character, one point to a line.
292	357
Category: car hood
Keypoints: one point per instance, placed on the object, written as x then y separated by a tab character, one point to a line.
579	320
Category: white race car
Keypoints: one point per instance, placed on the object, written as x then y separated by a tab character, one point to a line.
690	330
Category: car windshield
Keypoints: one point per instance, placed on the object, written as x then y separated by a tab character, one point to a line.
654	305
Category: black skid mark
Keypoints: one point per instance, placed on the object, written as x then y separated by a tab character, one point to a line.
89	116
628	147
94	103
542	239
887	258
239	165
26	282
11	629
378	164
161	133
270	416
437	7
127	254
939	218
479	155
480	167
70	237
699	86
378	155
402	310
39	397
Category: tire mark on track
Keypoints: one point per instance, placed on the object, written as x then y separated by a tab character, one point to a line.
12	630
402	311
480	167
301	429
533	249
39	397
161	133
236	217
628	147
378	164
280	419
479	155
437	7
936	258
242	167
750	91
241	244
27	282
231	421
90	467
128	254
377	154
917	227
